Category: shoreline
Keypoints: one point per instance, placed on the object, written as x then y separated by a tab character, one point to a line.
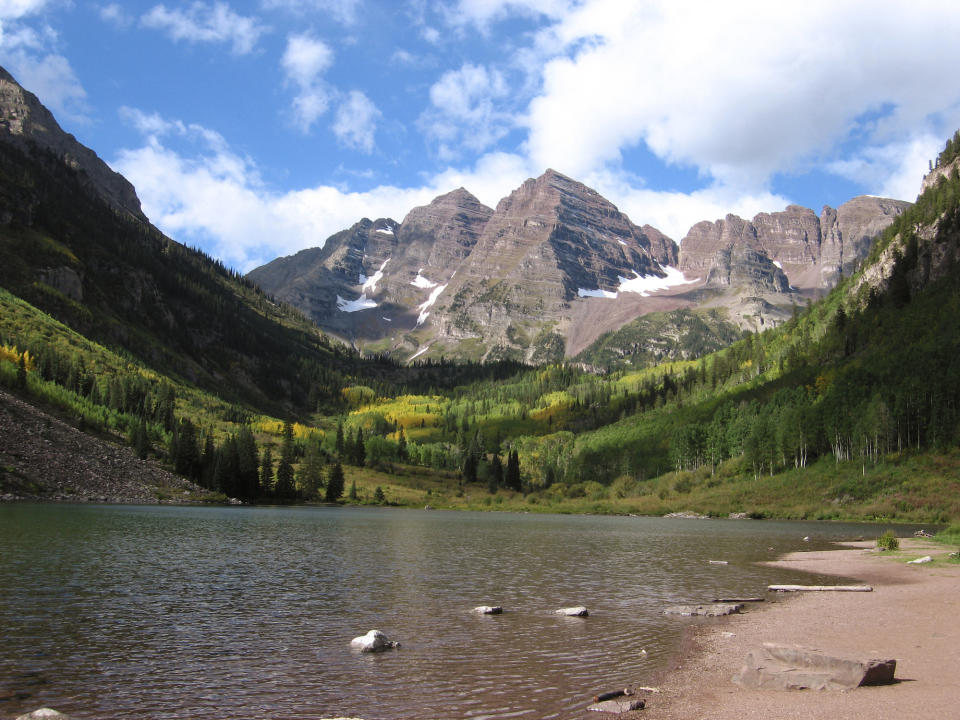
910	615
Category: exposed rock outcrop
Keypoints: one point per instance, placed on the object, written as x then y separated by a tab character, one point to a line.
25	120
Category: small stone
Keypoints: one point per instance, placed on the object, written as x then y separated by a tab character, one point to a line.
488	610
373	641
579	611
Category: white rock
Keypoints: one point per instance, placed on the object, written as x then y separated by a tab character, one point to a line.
373	641
579	611
920	561
44	714
488	609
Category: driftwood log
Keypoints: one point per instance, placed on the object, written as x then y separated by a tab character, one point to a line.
819	588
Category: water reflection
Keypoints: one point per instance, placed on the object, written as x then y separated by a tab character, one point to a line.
162	612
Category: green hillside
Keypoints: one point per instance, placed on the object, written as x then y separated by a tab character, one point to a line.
850	409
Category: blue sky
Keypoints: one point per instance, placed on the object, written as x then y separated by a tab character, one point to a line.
254	129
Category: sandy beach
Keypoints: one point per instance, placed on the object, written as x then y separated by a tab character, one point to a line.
911	615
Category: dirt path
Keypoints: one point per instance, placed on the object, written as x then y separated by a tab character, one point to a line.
912	615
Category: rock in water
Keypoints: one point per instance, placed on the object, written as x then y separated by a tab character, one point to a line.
44	714
488	610
791	667
579	611
715	610
373	641
616	707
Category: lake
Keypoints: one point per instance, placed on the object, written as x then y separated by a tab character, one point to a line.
234	612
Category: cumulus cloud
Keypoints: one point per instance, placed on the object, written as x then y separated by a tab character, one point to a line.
202	22
356	122
304	61
198	190
464	110
756	87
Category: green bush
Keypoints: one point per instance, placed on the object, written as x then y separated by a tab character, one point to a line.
888	541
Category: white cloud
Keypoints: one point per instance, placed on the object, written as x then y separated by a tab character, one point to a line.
747	90
304	61
203	22
13	9
898	166
305	58
356	122
465	110
48	76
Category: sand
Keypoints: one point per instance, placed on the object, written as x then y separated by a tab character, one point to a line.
912	615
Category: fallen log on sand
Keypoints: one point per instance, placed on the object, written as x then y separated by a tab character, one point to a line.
819	588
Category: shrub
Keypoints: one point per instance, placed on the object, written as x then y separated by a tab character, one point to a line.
888	541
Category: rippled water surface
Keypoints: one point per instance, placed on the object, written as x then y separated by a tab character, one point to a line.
166	612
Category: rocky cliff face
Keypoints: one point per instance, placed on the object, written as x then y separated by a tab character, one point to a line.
24	120
462	279
555	266
791	249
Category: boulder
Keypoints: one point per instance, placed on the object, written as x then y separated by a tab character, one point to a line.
620	705
791	667
579	611
488	610
373	641
714	610
920	561
44	714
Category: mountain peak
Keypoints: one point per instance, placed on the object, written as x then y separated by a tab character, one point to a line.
25	121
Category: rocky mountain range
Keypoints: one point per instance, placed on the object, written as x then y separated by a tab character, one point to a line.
543	276
555	266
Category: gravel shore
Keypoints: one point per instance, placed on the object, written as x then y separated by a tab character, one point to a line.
911	616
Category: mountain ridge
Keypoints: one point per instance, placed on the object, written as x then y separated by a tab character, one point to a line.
555	266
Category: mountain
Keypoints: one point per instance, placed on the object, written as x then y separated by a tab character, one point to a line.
25	122
557	268
75	244
791	249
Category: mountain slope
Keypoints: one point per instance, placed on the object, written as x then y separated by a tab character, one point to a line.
73	243
556	266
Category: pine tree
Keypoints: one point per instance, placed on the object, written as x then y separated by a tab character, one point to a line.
248	476
310	476
496	474
512	478
340	441
335	483
266	470
378	497
285	490
353	490
359	449
402	446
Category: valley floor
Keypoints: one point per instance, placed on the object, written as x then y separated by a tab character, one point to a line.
910	616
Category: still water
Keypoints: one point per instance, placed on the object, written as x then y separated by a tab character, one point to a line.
170	612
